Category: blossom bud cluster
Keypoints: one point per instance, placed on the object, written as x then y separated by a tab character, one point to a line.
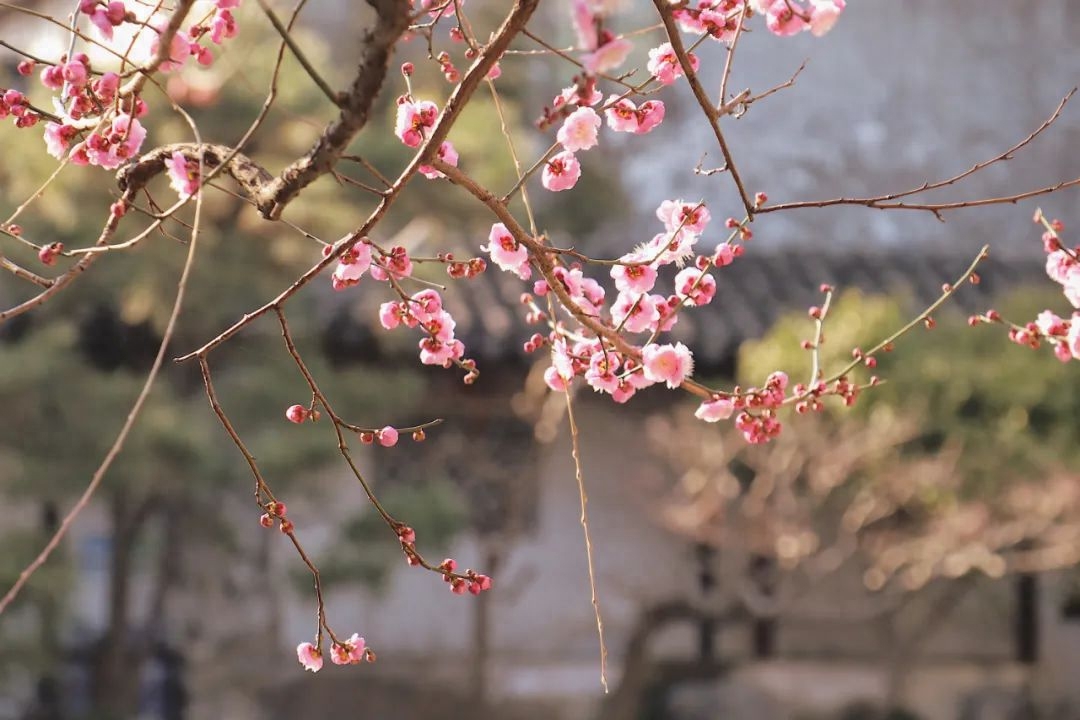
472	582
1063	267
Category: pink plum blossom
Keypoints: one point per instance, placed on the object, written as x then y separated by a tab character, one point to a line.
75	73
183	174
783	20
579	130
390	314
824	14
583	18
624	116
636	278
104	16
1062	353
1071	285
664	64
574	95
691	286
58	138
106	86
607	56
592	296
447	154
387	437
506	252
724	255
670	364
671	247
601	375
668	316
222	27
441	326
436	352
561	360
570	279
676	214
352	265
180	49
120	143
1073	339
714	410
426	304
635	313
561	172
348	652
554	380
1050	324
1058	265
650	114
414	119
297	414
397	265
52	77
309	656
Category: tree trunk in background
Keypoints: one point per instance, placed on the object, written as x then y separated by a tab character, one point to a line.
762	573
47	705
117	667
1027	618
481	655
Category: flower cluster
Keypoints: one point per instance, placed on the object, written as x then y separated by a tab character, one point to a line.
634	310
664	64
1063	267
470	581
425	310
345	652
275	513
98	121
105	15
218	28
790	17
117	136
15	105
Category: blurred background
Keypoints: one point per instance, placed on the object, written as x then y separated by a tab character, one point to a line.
910	558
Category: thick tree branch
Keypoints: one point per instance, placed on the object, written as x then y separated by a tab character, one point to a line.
393	20
248	174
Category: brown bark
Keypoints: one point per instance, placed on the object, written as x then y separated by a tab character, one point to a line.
116	670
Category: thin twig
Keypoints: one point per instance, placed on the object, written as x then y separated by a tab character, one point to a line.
815	349
711	113
575	452
883	202
729	61
301	58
